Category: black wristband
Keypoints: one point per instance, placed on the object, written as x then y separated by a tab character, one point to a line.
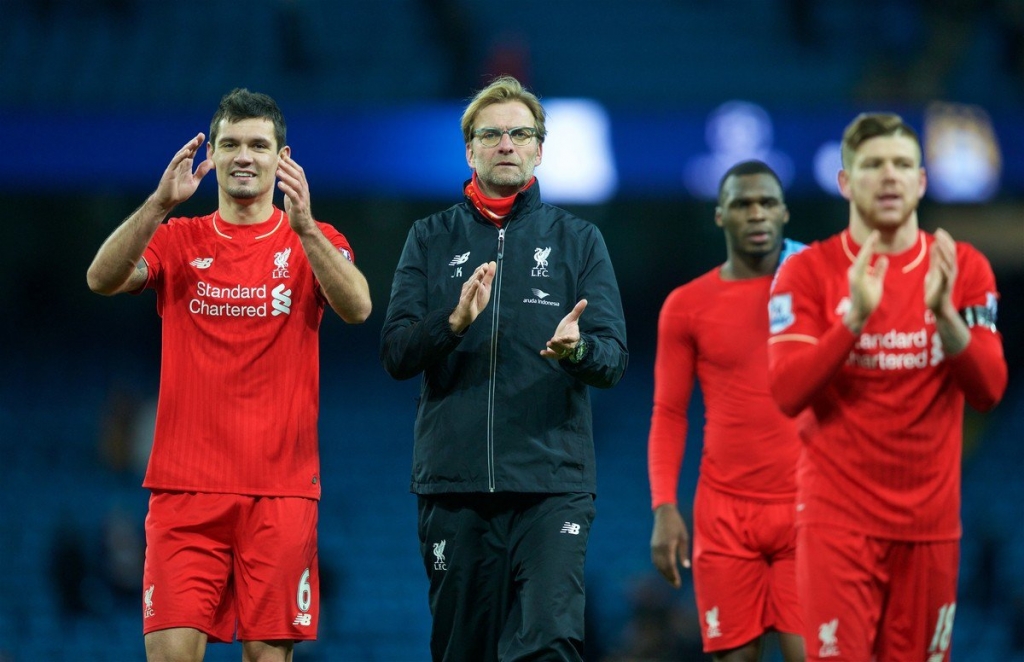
982	316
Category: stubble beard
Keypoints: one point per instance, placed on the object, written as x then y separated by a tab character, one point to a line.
241	193
885	219
517	179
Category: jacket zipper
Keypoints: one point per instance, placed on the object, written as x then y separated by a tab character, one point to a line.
492	371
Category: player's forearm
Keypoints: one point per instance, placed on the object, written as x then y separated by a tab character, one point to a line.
799	371
348	293
952	330
980	370
115	267
666	445
343	285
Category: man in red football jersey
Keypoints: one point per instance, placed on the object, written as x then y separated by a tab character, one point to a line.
883	331
234	471
714	330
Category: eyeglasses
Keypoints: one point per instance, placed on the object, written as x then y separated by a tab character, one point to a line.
520	135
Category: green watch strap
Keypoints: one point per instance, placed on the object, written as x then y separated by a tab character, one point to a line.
579	351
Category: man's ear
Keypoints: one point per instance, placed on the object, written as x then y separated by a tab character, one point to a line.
844	184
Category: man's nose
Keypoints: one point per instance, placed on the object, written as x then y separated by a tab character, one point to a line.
505	143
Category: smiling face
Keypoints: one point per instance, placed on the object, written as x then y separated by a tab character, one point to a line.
504	169
884	183
751	211
245	156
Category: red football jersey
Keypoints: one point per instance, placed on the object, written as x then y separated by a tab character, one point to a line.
883	457
716	331
239	378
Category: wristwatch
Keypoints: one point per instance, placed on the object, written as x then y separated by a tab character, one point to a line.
578	352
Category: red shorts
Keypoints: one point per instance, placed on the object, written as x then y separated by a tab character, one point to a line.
744	568
217	560
870	598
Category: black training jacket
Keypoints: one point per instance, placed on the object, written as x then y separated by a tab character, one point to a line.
493	414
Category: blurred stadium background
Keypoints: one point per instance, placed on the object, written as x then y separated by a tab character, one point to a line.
650	101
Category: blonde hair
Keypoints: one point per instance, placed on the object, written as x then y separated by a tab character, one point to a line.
872	125
502	90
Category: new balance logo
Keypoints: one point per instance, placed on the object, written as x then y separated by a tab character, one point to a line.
571	528
303	619
282	300
202	262
457	262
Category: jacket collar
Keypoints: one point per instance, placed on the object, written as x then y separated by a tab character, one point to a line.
526	202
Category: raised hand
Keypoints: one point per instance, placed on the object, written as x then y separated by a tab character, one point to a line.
476	293
292	182
179	182
942	271
118	266
567	334
867	283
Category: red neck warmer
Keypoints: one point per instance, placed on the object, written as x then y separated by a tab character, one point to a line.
493	209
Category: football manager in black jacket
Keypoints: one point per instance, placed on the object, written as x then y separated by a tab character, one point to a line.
510	310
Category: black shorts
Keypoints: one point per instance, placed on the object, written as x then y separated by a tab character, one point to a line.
506	574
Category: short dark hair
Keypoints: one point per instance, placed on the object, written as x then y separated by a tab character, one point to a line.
872	125
241	104
751	167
